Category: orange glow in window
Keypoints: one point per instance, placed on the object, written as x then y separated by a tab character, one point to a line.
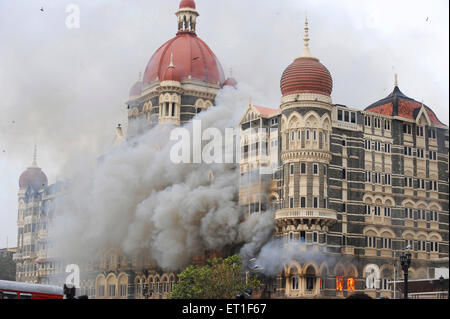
351	284
339	283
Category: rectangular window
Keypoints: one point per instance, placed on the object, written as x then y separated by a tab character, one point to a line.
387	148
291	169
367	144
371	242
377	210
368	177
408	182
302	235
420	130
339	115
292	135
315	237
346	116
123	290
434	247
434	216
303	168
409	243
407	129
291	202
325	203
353	117
315	169
367	209
344	240
431	133
408	151
387	179
377	178
303	202
307	135
433	186
367	120
432	155
344	174
316	202
387	243
409	213
314	135
420	153
421	183
387	212
421	245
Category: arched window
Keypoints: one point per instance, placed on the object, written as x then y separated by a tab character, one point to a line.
172	282
310	278
166	285
157	286
295	282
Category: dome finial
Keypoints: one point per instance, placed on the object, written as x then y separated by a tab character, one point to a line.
34	163
395	79
306	53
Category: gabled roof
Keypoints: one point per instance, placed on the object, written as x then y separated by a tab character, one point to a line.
398	104
261	111
265	111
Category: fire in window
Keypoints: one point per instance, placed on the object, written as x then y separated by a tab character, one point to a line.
340	283
351	284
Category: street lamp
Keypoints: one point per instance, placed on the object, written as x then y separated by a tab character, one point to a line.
405	261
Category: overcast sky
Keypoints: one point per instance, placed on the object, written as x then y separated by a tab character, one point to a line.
65	89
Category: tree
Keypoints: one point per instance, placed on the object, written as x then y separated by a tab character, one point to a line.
220	278
7	269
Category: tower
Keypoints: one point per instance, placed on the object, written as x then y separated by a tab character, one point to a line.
31	183
181	79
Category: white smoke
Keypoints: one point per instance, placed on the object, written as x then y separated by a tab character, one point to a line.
136	198
279	252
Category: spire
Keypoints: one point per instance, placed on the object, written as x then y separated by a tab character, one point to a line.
171	61
306	53
34	163
119	138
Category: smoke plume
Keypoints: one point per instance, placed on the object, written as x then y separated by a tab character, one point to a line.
136	198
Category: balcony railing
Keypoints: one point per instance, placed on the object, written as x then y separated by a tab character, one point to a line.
309	213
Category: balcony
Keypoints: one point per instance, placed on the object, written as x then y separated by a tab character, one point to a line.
317	214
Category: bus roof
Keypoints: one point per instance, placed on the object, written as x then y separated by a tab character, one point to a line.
27	287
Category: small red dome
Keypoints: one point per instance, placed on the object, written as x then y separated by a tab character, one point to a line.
230	82
187	4
171	74
34	177
136	90
192	58
306	75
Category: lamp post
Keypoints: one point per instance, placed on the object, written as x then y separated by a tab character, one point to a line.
405	260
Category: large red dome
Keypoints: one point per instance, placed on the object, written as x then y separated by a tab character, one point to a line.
191	57
34	177
306	75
